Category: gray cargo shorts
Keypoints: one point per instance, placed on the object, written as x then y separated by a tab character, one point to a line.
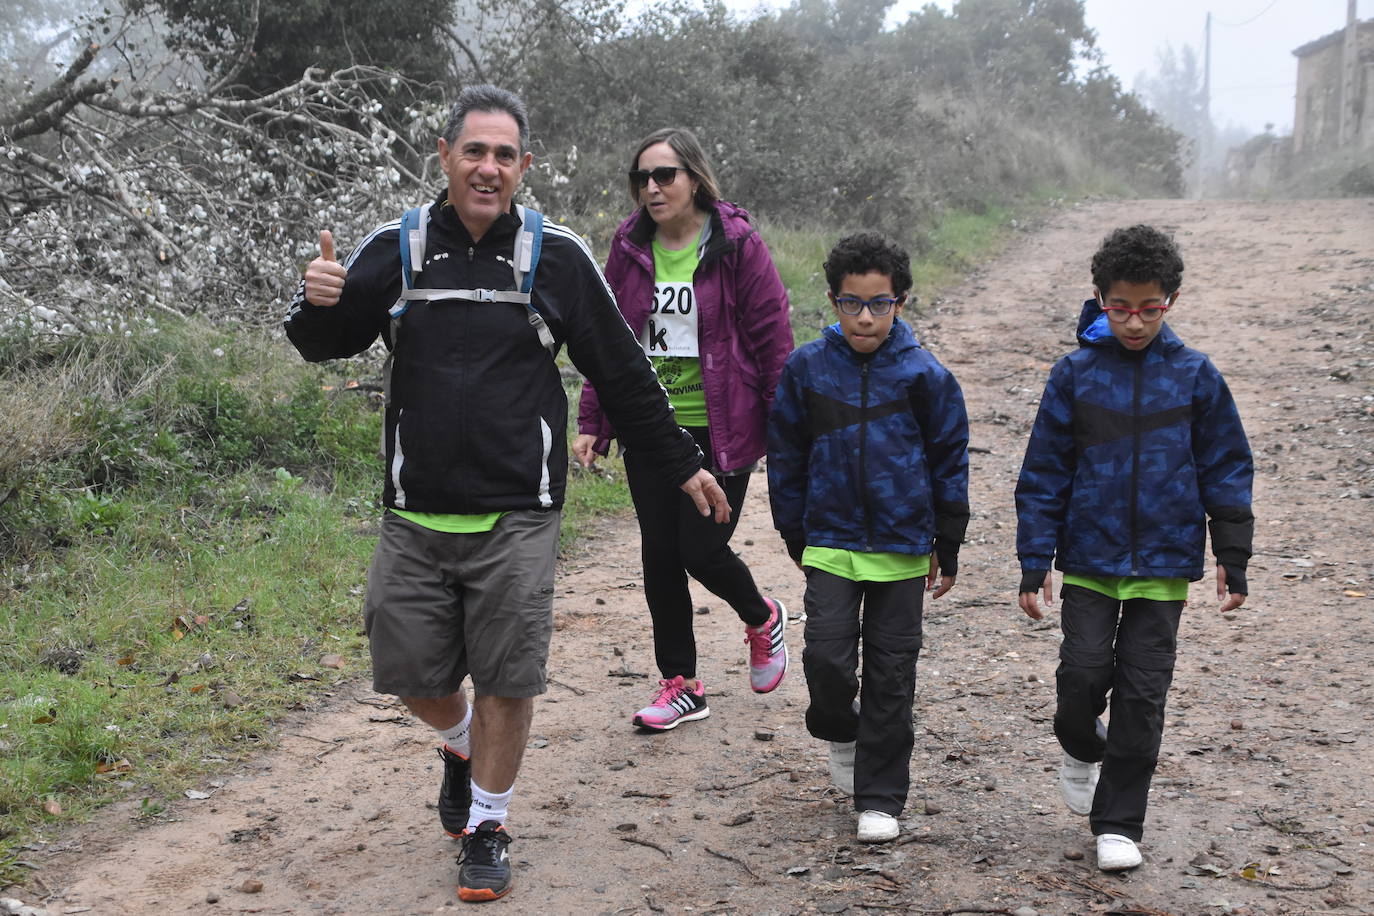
441	607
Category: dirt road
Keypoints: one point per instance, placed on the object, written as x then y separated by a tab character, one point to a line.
1263	798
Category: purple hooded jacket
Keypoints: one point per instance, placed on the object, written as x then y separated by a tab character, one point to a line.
742	326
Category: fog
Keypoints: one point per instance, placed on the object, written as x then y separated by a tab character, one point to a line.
1253	68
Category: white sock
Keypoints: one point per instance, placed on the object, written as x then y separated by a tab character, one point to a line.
458	738
488	806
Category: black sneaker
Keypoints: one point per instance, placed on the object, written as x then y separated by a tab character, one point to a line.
455	794
484	866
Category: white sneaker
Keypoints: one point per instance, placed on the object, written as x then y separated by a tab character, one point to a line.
1116	852
842	765
877	827
1078	783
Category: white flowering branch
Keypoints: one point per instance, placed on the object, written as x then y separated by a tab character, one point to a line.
152	188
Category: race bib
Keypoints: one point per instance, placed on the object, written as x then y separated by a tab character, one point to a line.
672	326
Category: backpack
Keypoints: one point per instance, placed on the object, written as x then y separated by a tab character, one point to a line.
529	239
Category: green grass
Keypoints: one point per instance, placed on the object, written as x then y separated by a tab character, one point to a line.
958	242
136	659
176	564
941	257
799	255
593	493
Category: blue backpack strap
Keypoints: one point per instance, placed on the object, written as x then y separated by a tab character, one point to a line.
412	220
533	226
411	238
409	221
529	241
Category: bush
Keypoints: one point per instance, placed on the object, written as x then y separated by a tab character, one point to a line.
862	129
1358	182
171	412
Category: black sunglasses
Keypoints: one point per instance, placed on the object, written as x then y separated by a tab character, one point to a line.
663	176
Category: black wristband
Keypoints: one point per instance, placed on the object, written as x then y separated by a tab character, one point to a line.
1233	530
947	557
951	522
1235	580
1032	580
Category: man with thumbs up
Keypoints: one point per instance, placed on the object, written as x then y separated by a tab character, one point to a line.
461	583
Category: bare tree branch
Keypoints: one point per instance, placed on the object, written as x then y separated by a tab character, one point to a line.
244	55
472	58
121	194
54	92
49	117
108	186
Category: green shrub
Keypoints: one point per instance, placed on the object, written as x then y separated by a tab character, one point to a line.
121	445
98	512
102	424
1358	182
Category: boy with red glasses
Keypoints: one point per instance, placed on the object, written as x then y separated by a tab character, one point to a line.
1136	443
868	479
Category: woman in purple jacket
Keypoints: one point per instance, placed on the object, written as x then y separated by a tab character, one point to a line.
697	285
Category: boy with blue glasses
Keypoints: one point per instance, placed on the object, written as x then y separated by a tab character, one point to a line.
1137	442
868	480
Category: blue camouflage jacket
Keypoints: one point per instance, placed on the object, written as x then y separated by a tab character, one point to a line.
869	452
1128	452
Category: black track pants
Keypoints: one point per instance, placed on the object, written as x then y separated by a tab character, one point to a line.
1126	648
889	630
676	540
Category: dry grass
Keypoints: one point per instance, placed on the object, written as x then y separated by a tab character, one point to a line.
39	405
35	421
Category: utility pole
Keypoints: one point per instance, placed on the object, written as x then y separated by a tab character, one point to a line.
1204	140
1350	56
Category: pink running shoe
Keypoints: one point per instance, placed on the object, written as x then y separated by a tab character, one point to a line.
767	650
675	703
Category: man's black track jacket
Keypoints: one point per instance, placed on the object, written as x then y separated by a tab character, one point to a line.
477	419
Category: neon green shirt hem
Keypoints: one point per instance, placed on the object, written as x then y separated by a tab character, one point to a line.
1124	588
858	566
451	523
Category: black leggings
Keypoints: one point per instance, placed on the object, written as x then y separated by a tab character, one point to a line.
677	540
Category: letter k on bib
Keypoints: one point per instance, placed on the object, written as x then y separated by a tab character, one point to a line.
672	326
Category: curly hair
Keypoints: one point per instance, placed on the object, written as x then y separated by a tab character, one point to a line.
868	252
1140	254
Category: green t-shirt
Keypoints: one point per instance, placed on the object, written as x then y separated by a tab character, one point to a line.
1124	588
858	566
451	523
673	328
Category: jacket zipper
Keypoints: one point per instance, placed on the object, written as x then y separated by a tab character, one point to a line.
863	459
1135	466
711	433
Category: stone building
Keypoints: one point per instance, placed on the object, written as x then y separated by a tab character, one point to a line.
1335	93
